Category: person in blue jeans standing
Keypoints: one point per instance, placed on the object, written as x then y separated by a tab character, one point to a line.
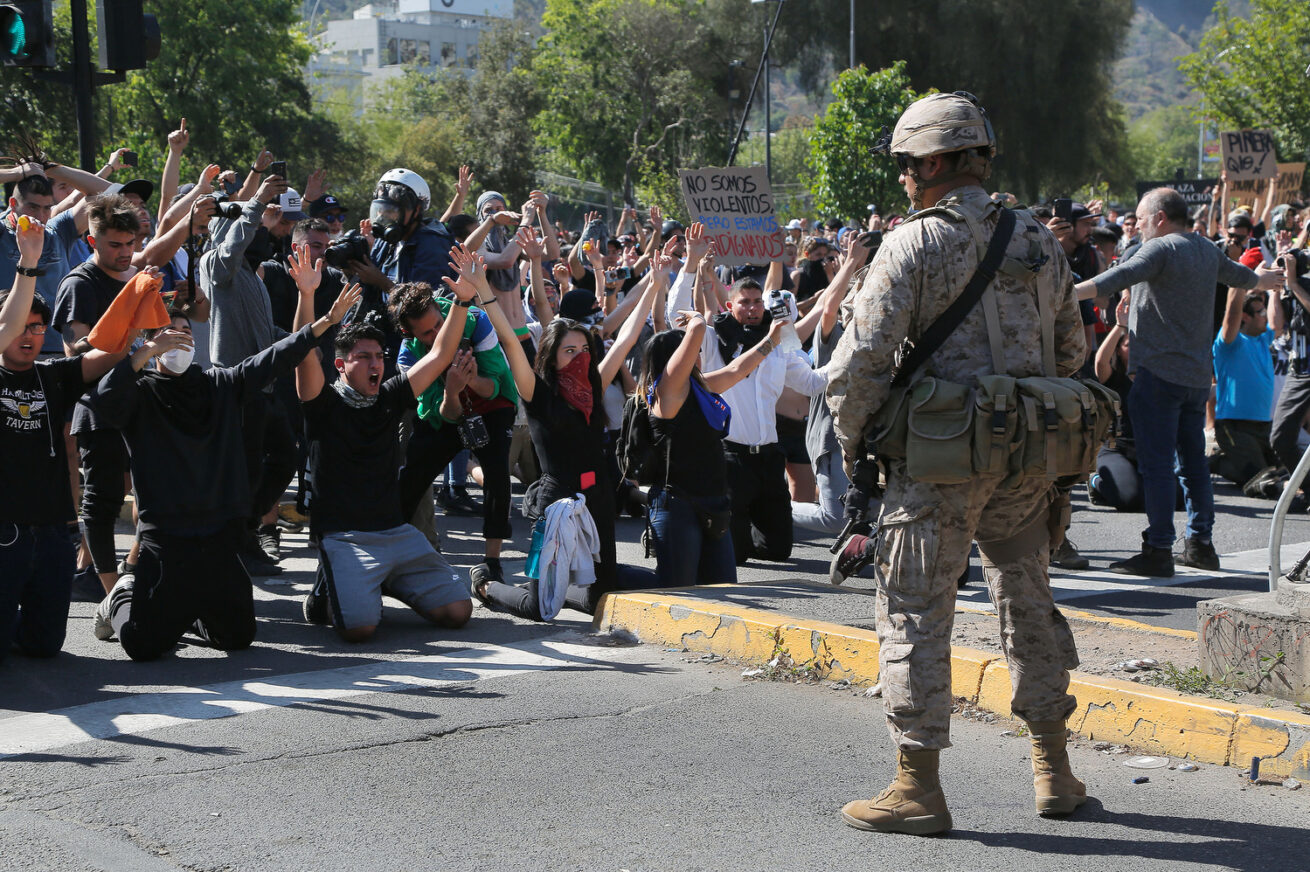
689	507
1173	277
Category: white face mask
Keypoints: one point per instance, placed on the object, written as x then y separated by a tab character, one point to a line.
177	360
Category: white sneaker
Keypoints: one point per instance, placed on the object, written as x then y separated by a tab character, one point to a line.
122	593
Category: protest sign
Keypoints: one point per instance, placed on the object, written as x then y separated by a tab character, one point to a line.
736	206
1196	192
1288	187
1248	154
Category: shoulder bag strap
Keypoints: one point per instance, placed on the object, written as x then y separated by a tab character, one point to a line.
932	338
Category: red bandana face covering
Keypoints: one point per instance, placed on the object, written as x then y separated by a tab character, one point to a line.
575	386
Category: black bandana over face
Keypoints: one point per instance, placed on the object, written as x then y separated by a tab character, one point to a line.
735	337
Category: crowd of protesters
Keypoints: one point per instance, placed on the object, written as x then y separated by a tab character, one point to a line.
244	358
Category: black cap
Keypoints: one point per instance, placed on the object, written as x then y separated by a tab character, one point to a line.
323	204
141	187
1079	212
578	305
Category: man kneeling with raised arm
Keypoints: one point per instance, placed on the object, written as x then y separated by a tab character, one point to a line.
182	425
366	548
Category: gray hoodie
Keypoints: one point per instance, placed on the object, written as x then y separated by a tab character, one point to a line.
241	316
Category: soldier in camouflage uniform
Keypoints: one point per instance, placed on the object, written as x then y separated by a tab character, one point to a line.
944	145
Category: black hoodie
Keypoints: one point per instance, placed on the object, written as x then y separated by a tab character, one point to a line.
184	437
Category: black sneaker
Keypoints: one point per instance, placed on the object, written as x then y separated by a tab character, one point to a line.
856	554
87	587
478	576
315	608
270	541
1197	554
463	504
258	565
1150	561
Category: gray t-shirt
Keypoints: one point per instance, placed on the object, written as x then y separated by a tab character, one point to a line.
1170	324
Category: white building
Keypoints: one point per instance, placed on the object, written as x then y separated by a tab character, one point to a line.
381	38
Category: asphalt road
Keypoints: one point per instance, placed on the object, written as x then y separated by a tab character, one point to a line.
513	745
560	752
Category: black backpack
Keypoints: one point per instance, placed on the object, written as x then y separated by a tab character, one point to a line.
638	460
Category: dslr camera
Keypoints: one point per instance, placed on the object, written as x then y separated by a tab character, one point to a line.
1300	258
350	247
225	208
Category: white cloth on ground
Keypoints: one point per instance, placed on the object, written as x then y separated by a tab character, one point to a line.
569	550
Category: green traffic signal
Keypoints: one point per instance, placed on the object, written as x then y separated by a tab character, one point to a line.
26	34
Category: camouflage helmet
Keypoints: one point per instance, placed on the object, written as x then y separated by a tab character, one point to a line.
942	123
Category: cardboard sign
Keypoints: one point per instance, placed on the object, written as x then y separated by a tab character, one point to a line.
736	206
1197	192
1248	154
1288	187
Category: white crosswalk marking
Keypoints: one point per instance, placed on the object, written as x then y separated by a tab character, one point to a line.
140	713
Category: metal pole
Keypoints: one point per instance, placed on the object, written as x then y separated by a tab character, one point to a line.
745	114
768	132
852	34
83	87
1200	144
1280	515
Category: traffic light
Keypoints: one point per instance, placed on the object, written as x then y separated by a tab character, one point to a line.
128	37
26	33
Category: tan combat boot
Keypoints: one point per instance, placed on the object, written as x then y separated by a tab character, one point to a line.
1058	791
913	803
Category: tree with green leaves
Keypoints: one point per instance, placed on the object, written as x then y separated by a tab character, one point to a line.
847	175
1251	72
1040	68
632	84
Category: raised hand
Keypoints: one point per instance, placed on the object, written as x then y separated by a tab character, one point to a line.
30	234
270	189
563	277
306	275
272	215
472	269
315	186
261	163
348	297
205	185
1121	311
686	317
506	217
464	182
697	242
180	138
204	209
656	217
116	159
533	248
541	200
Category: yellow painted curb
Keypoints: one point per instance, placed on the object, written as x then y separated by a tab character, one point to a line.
1155	719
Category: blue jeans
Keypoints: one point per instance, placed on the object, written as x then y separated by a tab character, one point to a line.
684	555
1169	428
36	578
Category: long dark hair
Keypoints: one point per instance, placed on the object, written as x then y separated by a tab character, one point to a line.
551	339
655	356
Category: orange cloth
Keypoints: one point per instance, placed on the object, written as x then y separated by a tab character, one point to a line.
138	306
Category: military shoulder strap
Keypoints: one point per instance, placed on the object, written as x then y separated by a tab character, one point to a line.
932	338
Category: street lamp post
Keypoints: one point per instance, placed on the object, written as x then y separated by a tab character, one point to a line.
764	59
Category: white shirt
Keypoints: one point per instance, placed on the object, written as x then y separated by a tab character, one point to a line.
754	398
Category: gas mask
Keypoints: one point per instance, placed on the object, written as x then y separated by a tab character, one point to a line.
385	216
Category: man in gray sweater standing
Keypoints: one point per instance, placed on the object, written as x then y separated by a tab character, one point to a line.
241	326
1173	277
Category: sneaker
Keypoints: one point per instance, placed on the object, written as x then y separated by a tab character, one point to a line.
463	504
1150	561
122	592
857	553
1197	554
291	518
270	541
125	568
478	576
315	608
1067	556
446	500
1094	490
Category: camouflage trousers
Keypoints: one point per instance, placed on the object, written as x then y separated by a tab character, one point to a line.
923	546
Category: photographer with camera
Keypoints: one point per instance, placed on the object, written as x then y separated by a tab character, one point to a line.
406	246
757	484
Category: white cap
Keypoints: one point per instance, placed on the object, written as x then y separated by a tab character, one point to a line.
292	207
795	224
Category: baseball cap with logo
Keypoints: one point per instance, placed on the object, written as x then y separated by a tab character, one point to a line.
141	187
325	203
291	205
